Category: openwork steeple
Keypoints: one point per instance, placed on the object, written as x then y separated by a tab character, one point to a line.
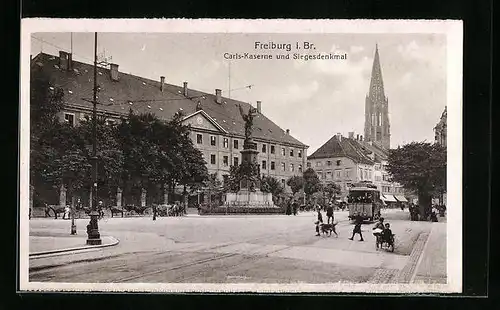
377	127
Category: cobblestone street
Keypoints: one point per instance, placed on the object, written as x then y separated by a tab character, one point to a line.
233	249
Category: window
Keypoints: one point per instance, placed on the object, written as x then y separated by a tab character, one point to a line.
329	175
379	119
199	138
300	168
347	173
225	143
377	178
235	161
264	165
338	174
328	163
273	165
212	159
273	149
225	161
264	148
291	152
69	118
213	140
292	167
339	162
235	144
309	165
365	174
110	122
299	153
283	182
373	119
283	167
283	151
318	164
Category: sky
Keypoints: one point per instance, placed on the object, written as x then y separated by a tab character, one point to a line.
315	99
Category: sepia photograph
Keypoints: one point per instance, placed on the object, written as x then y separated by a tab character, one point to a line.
241	156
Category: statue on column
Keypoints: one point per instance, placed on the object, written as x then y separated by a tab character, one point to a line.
248	118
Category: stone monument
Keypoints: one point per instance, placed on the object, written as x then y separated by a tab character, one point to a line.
249	194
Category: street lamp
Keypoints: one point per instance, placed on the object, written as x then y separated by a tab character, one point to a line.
94	238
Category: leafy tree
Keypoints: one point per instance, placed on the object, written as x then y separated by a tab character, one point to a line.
272	185
247	170
331	190
296	183
421	167
110	157
46	100
312	184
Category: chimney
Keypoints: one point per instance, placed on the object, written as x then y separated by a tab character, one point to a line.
339	136
185	89
351	134
357	137
113	71
288	131
64	60
259	106
218	96
361	138
162	81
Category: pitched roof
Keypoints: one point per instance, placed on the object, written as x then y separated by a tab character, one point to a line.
380	152
344	147
143	95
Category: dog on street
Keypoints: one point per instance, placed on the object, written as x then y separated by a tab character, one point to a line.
328	229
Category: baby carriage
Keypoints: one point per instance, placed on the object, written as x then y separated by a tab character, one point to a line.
384	239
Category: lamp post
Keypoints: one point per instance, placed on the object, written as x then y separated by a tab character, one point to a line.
94	238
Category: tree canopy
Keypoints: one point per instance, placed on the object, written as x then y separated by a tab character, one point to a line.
296	183
420	167
312	184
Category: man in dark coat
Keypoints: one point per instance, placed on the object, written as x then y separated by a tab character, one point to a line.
295	207
357	227
319	221
329	213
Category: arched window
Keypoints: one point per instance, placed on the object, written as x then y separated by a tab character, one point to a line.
373	118
379	119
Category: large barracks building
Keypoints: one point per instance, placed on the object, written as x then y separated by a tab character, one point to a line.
217	126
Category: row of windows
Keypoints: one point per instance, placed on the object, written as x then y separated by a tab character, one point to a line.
225	144
328	163
225	163
395	190
329	175
70	119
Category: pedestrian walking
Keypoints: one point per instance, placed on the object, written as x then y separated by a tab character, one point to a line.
329	213
295	207
357	227
155	209
289	207
319	221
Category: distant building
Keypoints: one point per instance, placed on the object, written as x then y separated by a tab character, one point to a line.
440	129
377	126
217	126
349	160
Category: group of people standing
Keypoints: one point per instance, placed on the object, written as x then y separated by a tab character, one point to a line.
292	207
329	216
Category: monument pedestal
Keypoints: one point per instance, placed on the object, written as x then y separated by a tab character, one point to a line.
249	195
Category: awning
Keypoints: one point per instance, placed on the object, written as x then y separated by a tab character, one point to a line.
388	198
401	198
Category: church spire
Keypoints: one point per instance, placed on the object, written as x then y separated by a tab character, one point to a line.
376	83
377	127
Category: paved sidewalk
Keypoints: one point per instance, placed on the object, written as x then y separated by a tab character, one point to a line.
432	266
43	242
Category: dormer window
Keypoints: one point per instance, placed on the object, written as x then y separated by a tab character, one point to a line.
339	162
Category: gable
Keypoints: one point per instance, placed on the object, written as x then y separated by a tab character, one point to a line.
201	120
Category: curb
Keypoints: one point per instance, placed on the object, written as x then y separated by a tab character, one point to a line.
86	247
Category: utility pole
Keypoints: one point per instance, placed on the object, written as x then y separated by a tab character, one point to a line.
229	93
94	238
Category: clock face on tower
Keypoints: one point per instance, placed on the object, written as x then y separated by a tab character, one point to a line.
199	120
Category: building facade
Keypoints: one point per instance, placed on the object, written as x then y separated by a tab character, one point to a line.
440	129
349	160
217	128
377	126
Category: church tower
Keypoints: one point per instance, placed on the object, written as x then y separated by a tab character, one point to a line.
377	127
